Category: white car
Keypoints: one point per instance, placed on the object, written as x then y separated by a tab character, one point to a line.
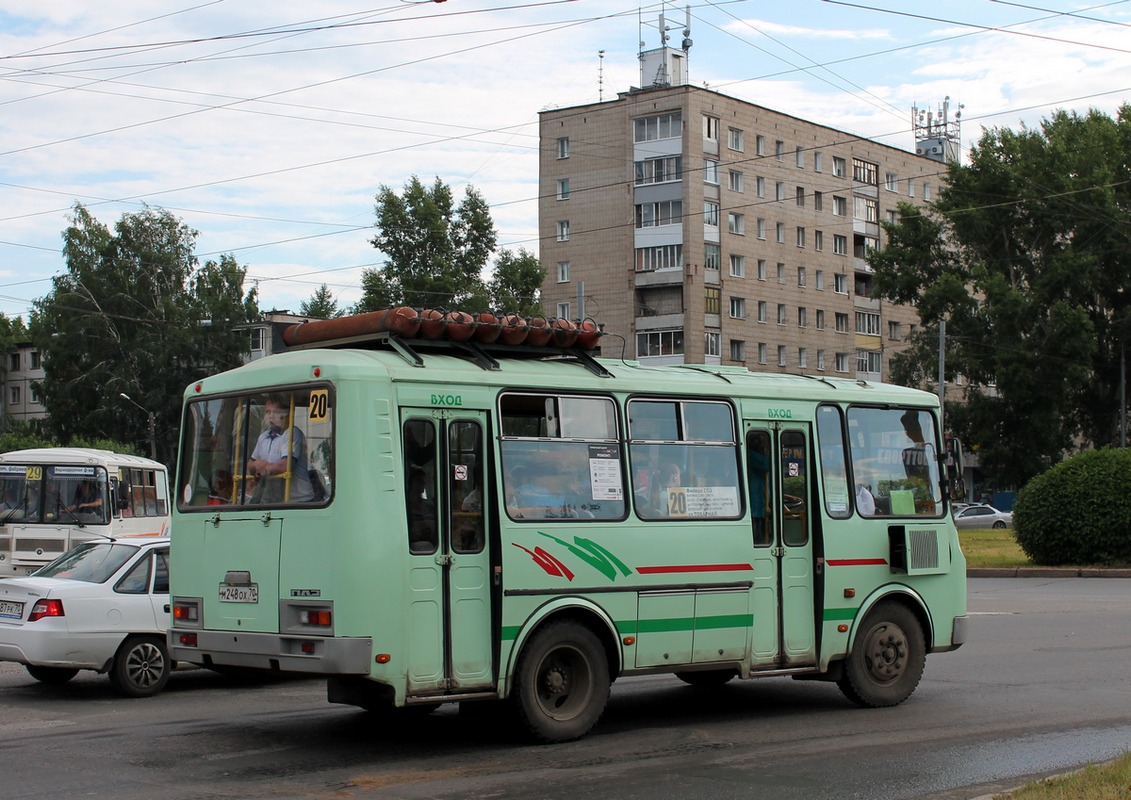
103	605
982	516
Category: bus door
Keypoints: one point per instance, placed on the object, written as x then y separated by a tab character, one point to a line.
781	521
449	587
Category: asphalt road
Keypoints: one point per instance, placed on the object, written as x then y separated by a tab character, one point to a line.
1042	687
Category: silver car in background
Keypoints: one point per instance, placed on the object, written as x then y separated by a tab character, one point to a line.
981	515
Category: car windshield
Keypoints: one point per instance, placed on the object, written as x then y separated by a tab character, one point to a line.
95	562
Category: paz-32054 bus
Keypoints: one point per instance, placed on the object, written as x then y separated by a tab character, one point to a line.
425	522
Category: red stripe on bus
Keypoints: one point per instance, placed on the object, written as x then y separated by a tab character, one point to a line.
857	562
693	568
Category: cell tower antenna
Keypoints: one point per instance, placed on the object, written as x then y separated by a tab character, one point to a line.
600	76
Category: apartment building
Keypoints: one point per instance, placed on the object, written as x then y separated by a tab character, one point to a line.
700	228
22	377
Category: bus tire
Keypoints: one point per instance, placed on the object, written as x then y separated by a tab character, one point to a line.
887	658
141	666
708	679
52	676
561	682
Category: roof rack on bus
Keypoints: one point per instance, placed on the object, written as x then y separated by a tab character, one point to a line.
481	336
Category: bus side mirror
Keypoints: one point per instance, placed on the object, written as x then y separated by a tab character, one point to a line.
955	485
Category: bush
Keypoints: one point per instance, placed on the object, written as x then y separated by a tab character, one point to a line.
1078	512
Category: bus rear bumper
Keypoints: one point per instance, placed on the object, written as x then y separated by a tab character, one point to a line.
272	651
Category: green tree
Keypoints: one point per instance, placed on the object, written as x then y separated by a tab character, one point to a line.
435	251
321	305
1024	256
516	284
134	314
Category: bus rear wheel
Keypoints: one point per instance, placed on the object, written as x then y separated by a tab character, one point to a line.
562	682
887	658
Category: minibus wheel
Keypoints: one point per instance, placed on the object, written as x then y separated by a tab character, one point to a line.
562	682
887	657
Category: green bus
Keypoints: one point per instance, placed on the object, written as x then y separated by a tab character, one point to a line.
427	522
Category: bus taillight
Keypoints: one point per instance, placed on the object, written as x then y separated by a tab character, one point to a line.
186	612
187	639
312	616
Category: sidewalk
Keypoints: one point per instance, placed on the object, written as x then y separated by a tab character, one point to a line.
1047	572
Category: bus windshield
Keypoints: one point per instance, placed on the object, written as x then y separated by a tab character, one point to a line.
34	493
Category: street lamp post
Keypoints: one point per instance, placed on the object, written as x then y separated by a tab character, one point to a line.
152	424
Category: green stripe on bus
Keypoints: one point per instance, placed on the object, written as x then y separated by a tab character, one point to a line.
839	614
635	627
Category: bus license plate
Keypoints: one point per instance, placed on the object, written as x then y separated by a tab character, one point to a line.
239	594
10	610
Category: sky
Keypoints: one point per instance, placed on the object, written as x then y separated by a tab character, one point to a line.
269	127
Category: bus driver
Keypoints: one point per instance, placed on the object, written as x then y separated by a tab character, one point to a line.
270	463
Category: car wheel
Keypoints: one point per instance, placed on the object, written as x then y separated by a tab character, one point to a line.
53	676
887	658
562	682
141	666
999	524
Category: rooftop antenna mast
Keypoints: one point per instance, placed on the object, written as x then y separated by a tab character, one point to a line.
600	76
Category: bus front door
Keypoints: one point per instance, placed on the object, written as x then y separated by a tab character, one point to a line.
780	503
449	619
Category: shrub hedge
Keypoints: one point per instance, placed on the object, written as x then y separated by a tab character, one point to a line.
1078	512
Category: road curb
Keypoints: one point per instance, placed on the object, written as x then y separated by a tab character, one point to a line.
1047	572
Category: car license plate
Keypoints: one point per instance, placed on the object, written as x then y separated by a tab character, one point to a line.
11	610
239	594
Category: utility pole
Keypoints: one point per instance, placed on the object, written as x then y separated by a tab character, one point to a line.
152	424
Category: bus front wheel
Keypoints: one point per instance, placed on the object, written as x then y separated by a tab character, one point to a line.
562	682
887	658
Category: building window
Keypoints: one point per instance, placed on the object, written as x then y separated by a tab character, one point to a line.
711	171
927	192
33	395
761	269
711	129
563	272
738	266
799	195
818	240
840	283
781	355
779	150
735	178
763	310
869	361
14	362
36	362
563	147
711	213
783	314
659	343
738	308
841	322
661	126
563	188
736	223
256	337
760	144
818	161
892	216
802	357
760	186
866	208
841	362
781	273
14	395
800	237
779	190
712	344
737	350
799	156
665	212
761	228
734	138
761	352
712	256
839	167
801	276
867	323
840	206
712	300
818	201
821	360
780	232
819	280
910	187
563	230
802	318
563	311
865	172
668	256
891	182
893	331
820	320
665	169
840	244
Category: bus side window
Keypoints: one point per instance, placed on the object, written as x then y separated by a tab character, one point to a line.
758	467
420	485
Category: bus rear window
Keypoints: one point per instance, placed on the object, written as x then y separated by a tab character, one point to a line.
272	448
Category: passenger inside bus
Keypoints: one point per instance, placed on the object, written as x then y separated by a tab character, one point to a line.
278	461
669	477
421	512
